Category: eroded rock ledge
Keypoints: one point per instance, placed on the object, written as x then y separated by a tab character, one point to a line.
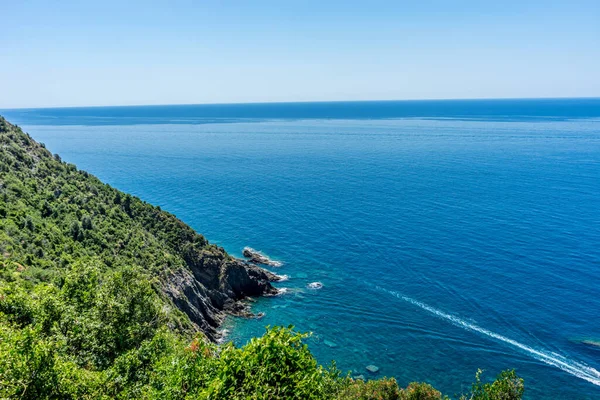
257	257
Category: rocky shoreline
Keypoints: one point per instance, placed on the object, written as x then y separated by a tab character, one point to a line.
215	285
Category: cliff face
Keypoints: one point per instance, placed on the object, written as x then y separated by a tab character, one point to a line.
54	216
213	285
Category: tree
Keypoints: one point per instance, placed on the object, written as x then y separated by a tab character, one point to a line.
76	232
86	222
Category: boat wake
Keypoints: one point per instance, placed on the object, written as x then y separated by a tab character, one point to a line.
575	368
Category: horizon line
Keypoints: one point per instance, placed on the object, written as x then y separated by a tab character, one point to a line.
303	102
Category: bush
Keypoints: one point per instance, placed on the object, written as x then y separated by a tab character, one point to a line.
103	316
420	391
507	386
383	389
27	367
277	365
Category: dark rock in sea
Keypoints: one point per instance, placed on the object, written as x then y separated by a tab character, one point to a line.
245	279
239	309
372	369
259	258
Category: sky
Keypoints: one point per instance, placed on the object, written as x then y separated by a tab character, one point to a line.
133	52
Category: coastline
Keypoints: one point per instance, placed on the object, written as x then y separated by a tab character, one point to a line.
432	251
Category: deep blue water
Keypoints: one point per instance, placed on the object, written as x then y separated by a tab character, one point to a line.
449	235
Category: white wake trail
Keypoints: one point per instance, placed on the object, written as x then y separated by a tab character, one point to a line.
573	367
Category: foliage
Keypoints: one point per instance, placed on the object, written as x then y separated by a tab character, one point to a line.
420	391
387	389
277	365
82	315
54	214
507	386
383	389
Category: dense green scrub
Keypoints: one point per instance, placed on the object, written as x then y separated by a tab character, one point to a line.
82	314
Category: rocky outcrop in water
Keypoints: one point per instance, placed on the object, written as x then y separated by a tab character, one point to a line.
372	369
258	258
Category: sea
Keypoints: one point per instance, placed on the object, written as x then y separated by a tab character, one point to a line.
448	236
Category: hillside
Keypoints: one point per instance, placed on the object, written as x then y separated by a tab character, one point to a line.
55	216
105	296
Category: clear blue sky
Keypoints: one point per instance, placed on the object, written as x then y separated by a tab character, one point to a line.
76	53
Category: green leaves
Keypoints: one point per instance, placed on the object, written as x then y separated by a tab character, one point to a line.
276	365
45	199
507	386
27	367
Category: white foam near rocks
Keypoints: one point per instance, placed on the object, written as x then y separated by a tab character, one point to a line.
259	257
279	292
283	278
222	335
314	285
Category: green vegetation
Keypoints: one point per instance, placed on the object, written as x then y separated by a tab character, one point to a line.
83	313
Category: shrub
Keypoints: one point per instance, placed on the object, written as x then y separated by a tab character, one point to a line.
383	389
507	386
277	365
420	391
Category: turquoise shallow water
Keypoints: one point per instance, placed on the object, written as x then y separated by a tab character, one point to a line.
449	236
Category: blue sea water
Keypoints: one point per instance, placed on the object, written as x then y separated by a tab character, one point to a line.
449	235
